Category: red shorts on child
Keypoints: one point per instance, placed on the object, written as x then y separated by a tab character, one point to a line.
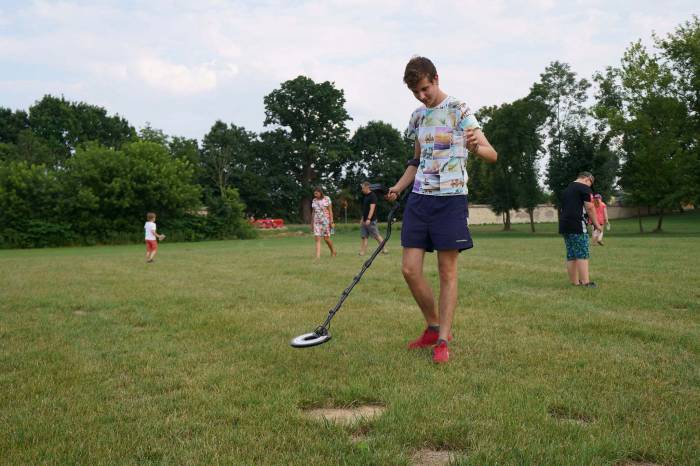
151	245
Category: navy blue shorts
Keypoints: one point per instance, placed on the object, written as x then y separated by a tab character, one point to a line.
436	223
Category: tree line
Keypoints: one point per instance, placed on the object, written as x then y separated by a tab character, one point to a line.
70	173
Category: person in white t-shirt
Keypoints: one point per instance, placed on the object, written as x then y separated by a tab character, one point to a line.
151	236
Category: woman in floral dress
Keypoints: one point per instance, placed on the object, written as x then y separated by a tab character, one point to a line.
322	221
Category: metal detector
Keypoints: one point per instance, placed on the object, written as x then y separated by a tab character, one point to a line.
321	334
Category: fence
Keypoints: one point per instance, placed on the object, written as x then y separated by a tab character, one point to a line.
480	214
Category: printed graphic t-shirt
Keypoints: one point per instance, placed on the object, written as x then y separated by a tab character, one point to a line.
149	227
442	135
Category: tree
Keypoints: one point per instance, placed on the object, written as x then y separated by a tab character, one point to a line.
514	131
564	95
151	134
28	213
271	186
583	150
184	149
65	125
681	49
225	149
313	117
111	190
379	154
639	103
12	124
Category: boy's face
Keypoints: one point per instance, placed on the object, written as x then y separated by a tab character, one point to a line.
427	91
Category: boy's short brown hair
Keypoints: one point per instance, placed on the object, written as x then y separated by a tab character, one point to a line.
150	216
418	68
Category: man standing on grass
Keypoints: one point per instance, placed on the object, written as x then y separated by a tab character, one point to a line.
575	201
368	222
435	218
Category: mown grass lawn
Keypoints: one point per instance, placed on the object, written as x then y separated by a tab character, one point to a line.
107	360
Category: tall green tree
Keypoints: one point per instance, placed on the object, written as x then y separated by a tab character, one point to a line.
65	125
639	103
514	131
565	95
583	150
225	151
270	186
681	49
379	155
313	117
12	123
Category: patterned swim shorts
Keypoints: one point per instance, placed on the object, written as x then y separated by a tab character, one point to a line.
576	246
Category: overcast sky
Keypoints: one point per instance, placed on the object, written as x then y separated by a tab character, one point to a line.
181	65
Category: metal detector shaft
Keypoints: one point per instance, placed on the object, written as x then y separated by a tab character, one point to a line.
365	266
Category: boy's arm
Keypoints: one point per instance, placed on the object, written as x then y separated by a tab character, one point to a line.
478	145
407	177
591	215
155	233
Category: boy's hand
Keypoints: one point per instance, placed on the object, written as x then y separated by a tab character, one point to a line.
393	193
472	142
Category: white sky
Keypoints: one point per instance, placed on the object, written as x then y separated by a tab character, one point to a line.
181	65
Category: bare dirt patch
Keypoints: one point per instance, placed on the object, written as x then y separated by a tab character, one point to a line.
346	416
637	463
566	415
427	457
80	313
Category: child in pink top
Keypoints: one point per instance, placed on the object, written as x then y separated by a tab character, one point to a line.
601	213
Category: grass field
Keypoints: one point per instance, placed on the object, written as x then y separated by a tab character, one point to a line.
107	360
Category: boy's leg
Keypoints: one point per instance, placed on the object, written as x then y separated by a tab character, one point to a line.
582	269
572	270
412	268
571	254
447	266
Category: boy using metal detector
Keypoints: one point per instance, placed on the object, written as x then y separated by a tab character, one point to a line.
436	213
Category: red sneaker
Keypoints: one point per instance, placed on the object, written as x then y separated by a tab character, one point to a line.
428	338
440	353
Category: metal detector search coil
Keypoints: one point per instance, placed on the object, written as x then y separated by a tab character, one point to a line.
322	334
317	337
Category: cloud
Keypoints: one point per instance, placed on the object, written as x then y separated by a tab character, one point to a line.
183	64
181	79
